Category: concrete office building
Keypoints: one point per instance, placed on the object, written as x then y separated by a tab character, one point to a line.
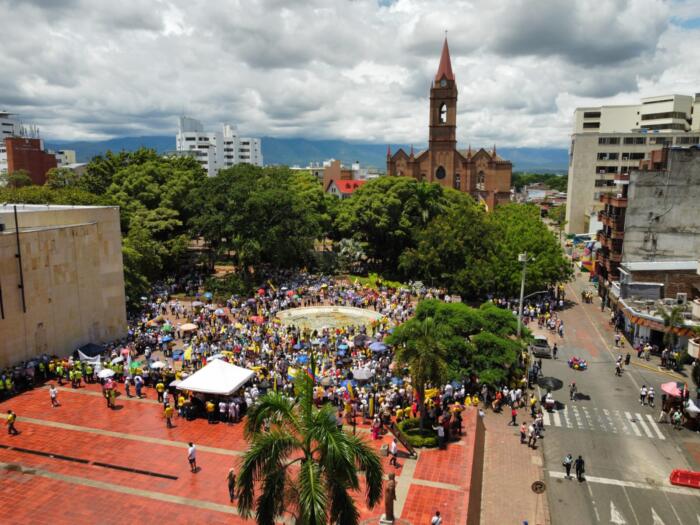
216	150
63	286
611	140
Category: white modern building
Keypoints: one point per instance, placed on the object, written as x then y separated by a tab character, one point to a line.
611	140
217	150
9	127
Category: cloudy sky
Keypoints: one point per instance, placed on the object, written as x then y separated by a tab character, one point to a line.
348	69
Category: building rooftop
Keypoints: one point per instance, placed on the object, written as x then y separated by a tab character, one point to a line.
659	266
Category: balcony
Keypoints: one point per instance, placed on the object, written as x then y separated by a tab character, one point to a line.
622	178
613	200
615	222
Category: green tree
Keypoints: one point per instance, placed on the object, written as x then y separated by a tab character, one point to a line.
421	346
554	181
61	178
16	179
517	228
304	465
558	217
385	214
673	318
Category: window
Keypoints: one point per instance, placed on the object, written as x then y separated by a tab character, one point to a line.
660	140
640	140
443	113
591	114
628	140
688	140
588	125
612	156
189	138
636	156
608	140
440	172
664	126
668	114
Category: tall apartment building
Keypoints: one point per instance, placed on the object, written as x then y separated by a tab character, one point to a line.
609	141
9	127
217	150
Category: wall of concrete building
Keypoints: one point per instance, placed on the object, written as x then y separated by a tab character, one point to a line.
662	220
73	280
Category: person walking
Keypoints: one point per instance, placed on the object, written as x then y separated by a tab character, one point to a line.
127	386
231	482
513	416
579	466
192	456
532	436
393	452
160	388
437	519
643	395
53	394
168	413
555	350
568	462
572	391
523	432
11	418
650	396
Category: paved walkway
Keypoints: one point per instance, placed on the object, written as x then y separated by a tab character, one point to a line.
84	463
509	471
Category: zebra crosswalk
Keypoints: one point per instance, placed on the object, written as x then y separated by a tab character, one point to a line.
578	417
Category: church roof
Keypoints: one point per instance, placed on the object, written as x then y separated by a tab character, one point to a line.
347	186
445	67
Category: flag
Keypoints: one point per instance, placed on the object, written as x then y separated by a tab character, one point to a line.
351	391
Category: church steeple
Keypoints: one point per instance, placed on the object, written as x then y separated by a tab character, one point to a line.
445	67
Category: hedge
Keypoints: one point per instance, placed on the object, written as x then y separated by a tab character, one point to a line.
416	437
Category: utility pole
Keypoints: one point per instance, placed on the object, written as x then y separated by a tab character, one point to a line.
523	259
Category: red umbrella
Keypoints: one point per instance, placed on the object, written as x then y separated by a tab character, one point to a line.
257	319
673	388
290	293
261	291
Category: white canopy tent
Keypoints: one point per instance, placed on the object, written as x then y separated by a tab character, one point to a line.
218	377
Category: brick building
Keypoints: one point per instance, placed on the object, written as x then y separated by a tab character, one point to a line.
481	173
28	154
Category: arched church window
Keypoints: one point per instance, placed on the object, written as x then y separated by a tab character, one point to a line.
480	179
457	181
440	173
443	113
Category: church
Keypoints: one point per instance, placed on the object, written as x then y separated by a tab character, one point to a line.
481	173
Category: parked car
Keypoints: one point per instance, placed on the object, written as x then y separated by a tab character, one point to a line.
540	347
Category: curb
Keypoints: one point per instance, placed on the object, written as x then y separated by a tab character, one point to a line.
656	370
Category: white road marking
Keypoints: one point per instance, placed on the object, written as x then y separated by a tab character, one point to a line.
577	416
661	485
644	426
623	423
601	421
655	427
615	516
556	418
589	419
565	413
610	421
657	519
632	424
595	507
545	418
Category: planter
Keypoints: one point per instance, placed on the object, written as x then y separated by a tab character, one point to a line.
696	309
694	348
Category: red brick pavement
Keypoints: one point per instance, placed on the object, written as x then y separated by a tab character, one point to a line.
76	489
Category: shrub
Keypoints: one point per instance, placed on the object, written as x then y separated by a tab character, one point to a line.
416	437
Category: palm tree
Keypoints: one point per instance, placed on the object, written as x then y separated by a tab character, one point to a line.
672	318
304	465
420	347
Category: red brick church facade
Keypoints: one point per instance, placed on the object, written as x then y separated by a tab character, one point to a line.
482	174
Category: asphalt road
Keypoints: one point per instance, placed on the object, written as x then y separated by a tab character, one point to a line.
628	455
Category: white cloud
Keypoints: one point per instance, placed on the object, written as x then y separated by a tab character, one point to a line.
357	70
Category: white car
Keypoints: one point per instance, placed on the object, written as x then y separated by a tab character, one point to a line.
540	347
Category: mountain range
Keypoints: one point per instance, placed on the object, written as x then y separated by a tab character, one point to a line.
301	152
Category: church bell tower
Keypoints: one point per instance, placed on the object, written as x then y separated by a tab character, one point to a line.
443	106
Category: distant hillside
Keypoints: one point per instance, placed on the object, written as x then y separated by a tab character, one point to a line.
304	151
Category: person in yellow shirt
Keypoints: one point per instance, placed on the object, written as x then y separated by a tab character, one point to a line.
168	413
11	418
475	400
160	388
181	405
210	411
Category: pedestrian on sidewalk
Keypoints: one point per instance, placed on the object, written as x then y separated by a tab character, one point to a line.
437	519
579	465
53	394
643	395
127	386
393	452
532	436
650	396
231	482
11	418
192	457
533	405
168	413
513	416
572	391
568	462
523	432
555	350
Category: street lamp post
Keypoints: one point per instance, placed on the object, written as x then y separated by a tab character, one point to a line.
523	259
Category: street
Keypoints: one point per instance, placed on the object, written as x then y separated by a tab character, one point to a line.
628	455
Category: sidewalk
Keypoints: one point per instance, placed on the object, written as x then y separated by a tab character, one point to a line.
509	471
